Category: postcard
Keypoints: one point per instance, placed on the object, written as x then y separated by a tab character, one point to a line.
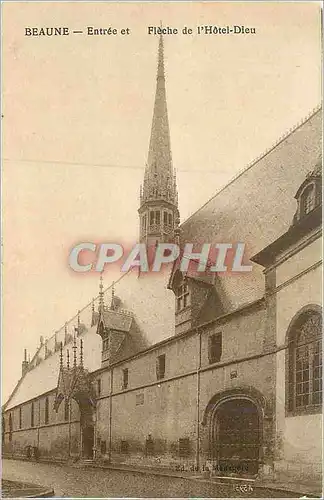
162	249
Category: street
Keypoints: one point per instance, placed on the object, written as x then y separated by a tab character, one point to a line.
68	481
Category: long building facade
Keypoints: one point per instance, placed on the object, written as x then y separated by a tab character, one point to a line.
219	371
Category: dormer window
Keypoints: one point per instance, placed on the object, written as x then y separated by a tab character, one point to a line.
309	194
308	200
183	296
105	343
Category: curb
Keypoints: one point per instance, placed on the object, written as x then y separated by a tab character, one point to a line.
42	494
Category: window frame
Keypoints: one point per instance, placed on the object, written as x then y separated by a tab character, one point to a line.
182	296
308	197
10	426
32	414
160	366
46	411
20	417
218	338
294	347
125	378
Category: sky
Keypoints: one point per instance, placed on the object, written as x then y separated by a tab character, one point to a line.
76	127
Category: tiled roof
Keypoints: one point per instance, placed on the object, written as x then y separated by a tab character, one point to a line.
258	206
116	320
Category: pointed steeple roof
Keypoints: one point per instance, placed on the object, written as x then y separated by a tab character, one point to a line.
159	180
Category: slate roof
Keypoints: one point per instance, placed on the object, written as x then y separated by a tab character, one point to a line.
258	206
115	320
152	320
44	377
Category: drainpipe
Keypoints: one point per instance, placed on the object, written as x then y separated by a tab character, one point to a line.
39	416
110	411
95	431
70	411
81	440
198	399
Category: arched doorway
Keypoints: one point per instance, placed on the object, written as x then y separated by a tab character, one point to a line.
236	436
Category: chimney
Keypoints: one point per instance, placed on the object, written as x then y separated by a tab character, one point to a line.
24	364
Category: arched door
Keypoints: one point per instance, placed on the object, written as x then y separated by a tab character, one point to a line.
236	437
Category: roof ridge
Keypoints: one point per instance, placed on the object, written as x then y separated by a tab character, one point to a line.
53	336
86	306
281	138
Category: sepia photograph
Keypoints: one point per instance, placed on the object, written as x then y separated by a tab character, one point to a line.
161	250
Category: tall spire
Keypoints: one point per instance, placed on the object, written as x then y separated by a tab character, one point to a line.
159	190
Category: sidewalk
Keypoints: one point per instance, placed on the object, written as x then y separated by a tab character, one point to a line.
14	489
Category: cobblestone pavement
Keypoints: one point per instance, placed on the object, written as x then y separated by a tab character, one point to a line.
69	481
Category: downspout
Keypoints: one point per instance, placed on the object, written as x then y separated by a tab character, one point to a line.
39	417
70	411
95	432
81	439
110	412
198	401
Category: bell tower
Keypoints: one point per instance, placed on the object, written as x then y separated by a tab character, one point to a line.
158	211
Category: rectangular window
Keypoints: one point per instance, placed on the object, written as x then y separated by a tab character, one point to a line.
183	297
46	411
165	218
10	427
32	415
160	366
20	418
125	378
157	217
99	387
215	347
140	399
151	218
